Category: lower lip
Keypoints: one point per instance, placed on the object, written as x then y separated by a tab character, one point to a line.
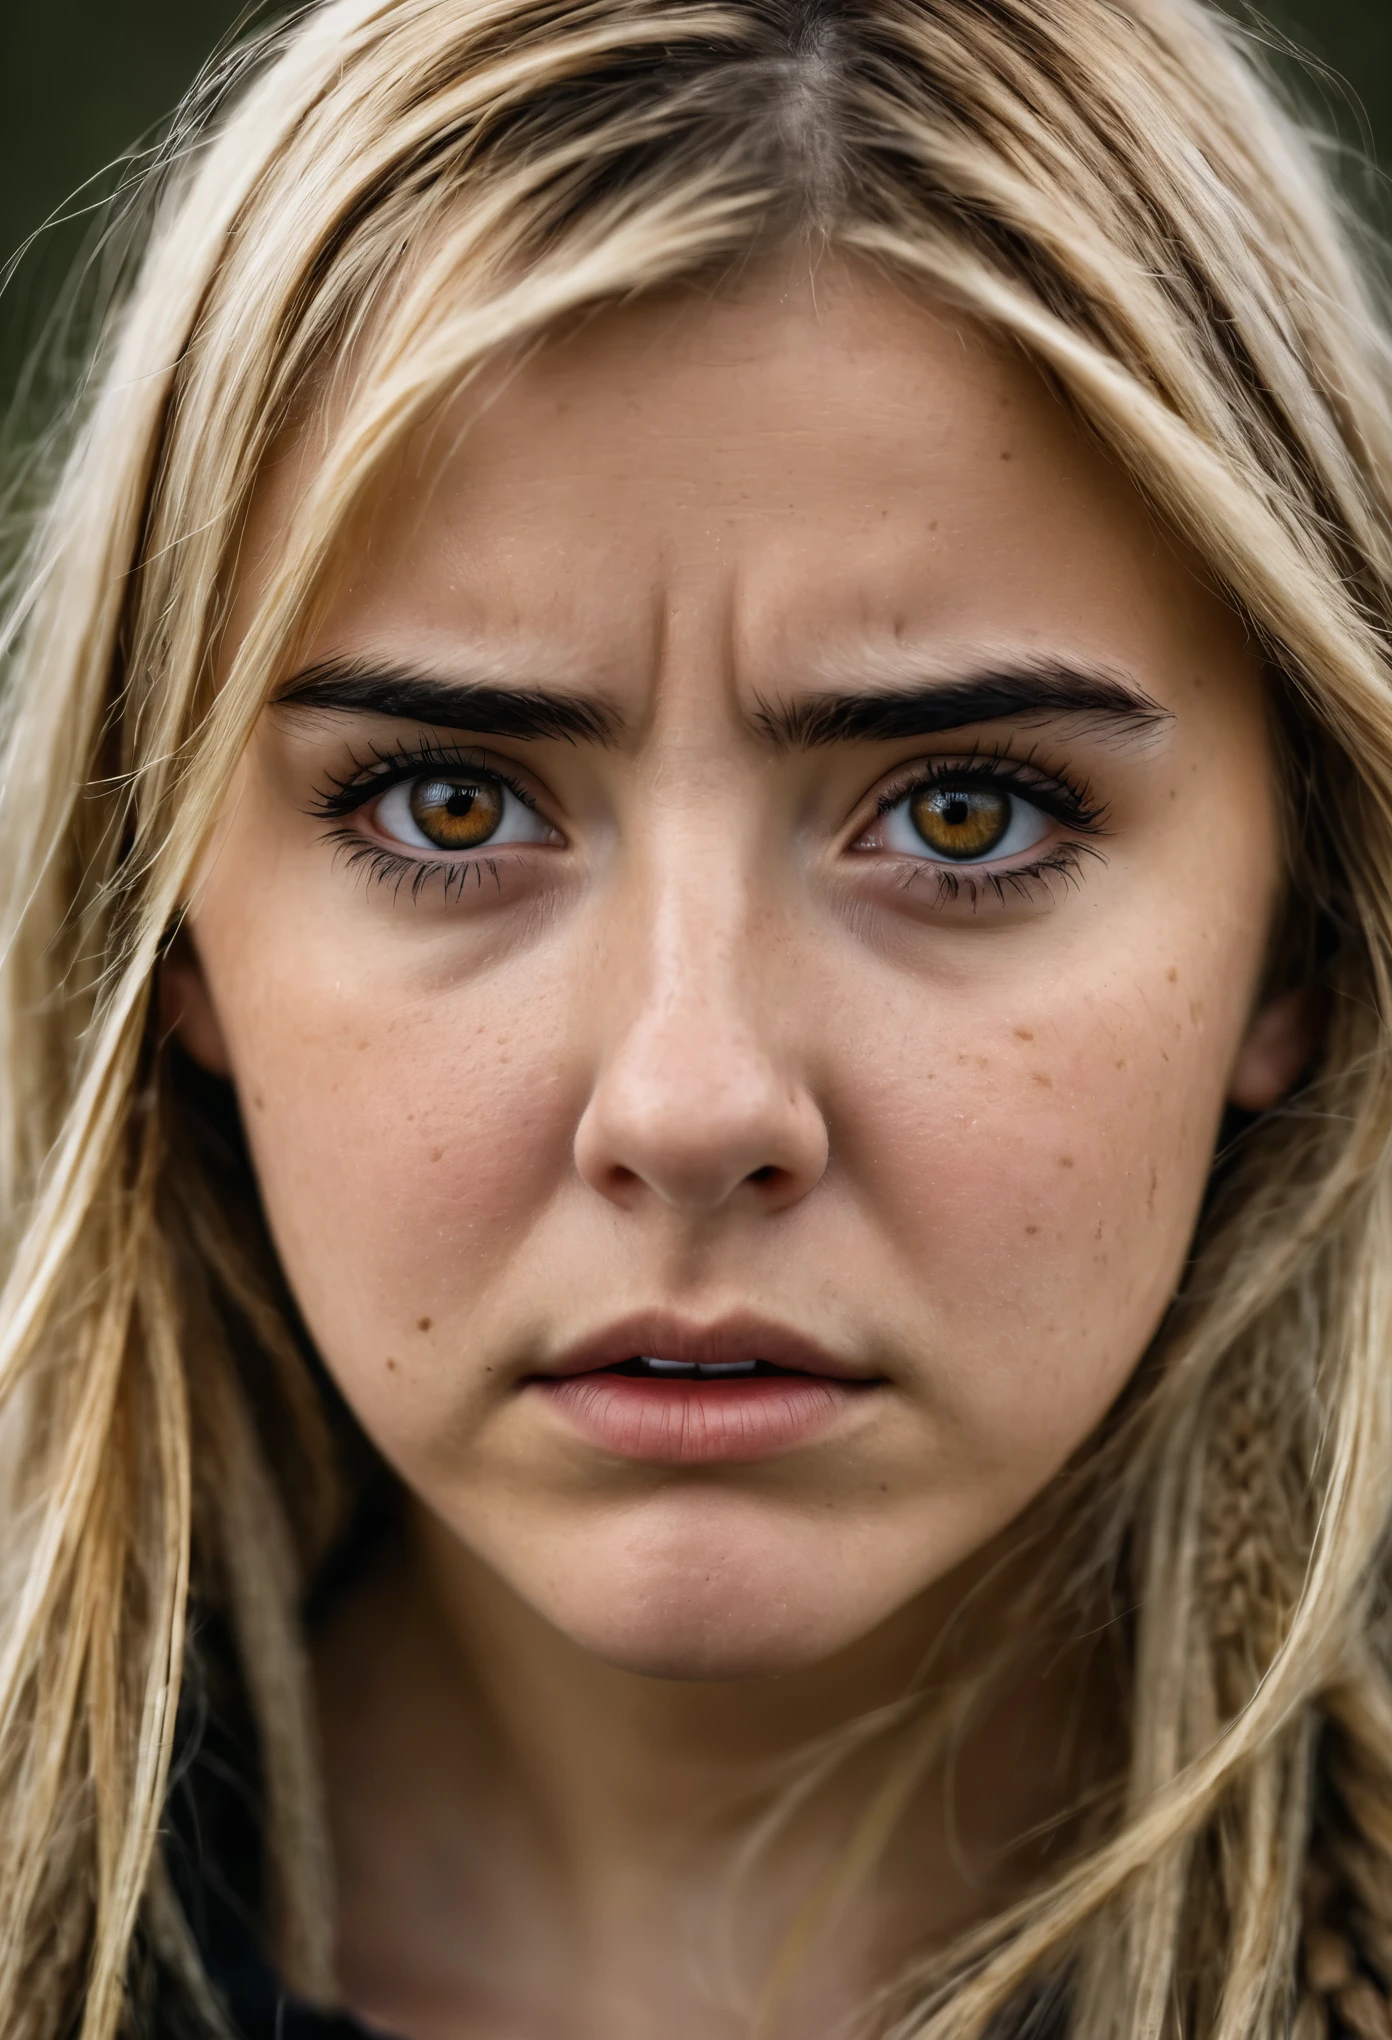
683	1423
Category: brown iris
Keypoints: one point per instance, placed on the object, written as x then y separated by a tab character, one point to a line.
960	821
456	814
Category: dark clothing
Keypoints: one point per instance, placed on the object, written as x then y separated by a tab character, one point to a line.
261	2011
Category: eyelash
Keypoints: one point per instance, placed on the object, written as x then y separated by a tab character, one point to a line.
1067	801
368	780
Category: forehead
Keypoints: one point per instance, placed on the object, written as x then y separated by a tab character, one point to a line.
809	473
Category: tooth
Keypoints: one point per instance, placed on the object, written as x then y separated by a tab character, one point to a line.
668	1366
719	1368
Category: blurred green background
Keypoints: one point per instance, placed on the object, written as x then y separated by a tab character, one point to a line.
82	80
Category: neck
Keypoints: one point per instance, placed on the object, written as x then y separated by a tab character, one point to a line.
587	1829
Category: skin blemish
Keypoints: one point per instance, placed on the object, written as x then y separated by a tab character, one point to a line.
1172	975
1065	1161
424	1324
437	1154
1024	1034
1031	1230
391	1364
1043	1078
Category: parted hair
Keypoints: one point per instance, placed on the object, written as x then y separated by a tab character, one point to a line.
405	188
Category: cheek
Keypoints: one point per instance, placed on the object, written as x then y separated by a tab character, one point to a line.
405	1139
1036	1158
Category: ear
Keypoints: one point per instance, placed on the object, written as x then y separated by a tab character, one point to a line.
1276	1049
186	1008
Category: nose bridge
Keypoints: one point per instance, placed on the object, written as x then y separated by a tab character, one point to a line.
698	1093
699	979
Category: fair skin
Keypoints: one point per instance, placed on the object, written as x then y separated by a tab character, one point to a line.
881	1043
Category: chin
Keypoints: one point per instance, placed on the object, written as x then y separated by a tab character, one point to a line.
746	1599
698	1641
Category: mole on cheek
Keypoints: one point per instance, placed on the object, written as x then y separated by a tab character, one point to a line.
424	1324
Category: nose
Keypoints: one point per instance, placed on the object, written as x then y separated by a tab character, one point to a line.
696	1101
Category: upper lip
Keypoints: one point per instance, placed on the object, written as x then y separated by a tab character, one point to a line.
663	1335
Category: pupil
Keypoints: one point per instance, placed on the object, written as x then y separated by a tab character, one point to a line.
963	822
456	814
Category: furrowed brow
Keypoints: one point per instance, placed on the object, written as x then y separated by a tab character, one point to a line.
1029	694
483	706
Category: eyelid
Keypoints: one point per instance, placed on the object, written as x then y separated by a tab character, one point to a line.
370	780
1064	799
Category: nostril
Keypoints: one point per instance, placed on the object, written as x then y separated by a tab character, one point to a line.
764	1175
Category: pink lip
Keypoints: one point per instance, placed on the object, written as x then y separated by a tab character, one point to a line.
687	1423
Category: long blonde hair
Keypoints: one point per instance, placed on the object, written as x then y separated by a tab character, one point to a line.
425	182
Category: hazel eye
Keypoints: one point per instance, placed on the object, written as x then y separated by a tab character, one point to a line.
962	824
456	811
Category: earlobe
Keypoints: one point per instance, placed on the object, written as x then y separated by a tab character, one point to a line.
1277	1047
186	1008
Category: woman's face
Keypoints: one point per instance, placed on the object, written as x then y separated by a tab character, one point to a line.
765	869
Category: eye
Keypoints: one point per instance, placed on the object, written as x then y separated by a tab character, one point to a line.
961	824
456	811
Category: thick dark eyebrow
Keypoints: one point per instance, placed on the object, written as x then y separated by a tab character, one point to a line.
524	713
1029	693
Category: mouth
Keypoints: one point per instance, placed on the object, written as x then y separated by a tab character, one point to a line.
649	1367
673	1393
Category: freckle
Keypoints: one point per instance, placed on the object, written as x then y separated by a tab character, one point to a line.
1007	456
1065	1161
1024	1034
1031	1230
1043	1077
963	1057
437	1154
1172	975
1121	1062
259	1102
363	1047
391	1364
983	1062
424	1324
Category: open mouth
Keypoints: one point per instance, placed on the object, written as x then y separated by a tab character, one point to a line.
706	1394
649	1367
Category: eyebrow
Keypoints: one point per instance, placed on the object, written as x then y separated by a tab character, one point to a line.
1032	692
1037	691
357	687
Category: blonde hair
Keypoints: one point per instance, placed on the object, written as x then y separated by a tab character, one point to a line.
423	183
